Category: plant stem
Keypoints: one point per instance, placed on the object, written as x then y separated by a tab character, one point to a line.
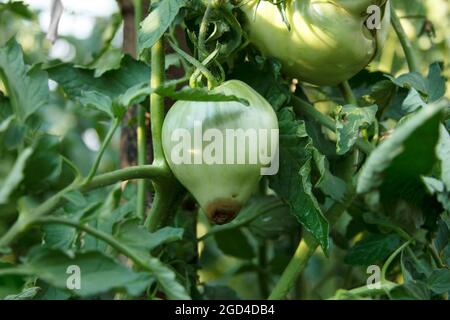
304	108
297	264
305	250
142	159
168	195
410	55
391	258
211	79
103	147
50	205
385	286
203	52
129	173
157	101
347	93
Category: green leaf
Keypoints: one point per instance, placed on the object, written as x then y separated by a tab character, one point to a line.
397	164
109	60
98	272
58	236
19	8
436	83
439	281
412	102
44	165
349	120
411	80
265	77
276	220
196	94
137	237
293	181
372	249
101	102
26	294
27	87
134	95
157	22
411	290
15	176
443	153
75	80
233	242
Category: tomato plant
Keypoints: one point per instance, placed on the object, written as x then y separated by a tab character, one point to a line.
212	149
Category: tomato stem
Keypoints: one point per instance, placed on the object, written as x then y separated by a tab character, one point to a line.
142	160
103	147
304	108
410	55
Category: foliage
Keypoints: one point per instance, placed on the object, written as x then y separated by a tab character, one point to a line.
364	177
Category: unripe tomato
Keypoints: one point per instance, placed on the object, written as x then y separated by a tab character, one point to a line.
208	168
329	41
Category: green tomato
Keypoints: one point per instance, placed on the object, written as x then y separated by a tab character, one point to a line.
203	142
329	41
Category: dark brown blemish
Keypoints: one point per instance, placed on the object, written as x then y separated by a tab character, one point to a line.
222	211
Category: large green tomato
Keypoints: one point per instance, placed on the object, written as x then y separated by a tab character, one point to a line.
329	41
211	148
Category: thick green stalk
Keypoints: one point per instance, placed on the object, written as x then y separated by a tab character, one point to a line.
306	248
410	55
157	101
142	160
168	195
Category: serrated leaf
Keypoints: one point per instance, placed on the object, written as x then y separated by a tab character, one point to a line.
397	164
98	273
19	8
439	281
350	120
292	183
196	94
15	176
411	80
101	102
135	94
27	87
372	249
75	80
157	22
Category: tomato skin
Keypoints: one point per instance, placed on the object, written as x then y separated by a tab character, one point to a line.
328	42
220	189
